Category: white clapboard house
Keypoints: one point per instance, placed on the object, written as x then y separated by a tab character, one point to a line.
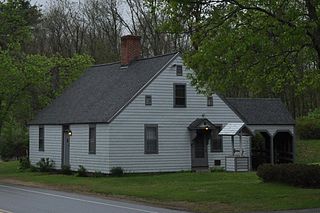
143	114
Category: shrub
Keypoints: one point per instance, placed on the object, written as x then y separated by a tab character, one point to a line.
293	174
116	171
217	169
24	163
308	128
34	168
46	165
98	174
82	172
66	170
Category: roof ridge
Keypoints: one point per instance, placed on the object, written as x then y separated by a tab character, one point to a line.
105	64
158	56
141	59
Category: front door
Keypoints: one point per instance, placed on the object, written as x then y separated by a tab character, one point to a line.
65	147
199	150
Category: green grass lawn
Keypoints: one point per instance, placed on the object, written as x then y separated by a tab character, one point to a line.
200	192
308	151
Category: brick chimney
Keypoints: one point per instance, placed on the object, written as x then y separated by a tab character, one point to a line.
130	49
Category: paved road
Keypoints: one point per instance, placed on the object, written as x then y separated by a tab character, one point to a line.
18	199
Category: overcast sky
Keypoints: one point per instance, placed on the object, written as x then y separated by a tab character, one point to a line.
39	2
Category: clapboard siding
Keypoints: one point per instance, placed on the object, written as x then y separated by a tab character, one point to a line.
127	129
52	144
79	148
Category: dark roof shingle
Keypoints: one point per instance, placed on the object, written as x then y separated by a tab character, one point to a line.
268	111
101	92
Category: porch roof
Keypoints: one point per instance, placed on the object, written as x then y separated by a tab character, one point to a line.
201	123
232	129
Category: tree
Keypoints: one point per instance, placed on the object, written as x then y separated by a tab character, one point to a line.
17	18
253	48
28	82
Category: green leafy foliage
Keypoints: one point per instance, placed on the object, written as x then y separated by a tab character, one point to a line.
308	127
17	18
25	88
46	165
24	163
252	48
116	171
28	82
14	141
98	174
66	170
292	174
82	171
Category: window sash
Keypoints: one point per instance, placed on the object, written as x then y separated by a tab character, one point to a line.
92	140
180	92
179	70
151	139
148	100
41	138
216	140
210	101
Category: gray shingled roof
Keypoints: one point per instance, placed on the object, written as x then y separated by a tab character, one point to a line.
262	111
102	92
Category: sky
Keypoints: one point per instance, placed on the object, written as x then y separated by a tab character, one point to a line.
40	2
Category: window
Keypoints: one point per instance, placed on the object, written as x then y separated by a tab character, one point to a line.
216	140
179	70
179	95
210	101
151	139
41	138
148	100
92	139
217	162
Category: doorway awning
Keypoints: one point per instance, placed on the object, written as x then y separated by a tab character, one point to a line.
232	129
201	123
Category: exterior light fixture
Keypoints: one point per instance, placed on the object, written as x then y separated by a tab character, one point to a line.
69	132
207	128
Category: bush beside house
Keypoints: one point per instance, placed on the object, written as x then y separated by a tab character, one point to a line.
301	175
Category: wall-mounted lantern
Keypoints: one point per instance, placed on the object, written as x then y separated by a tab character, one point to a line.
69	132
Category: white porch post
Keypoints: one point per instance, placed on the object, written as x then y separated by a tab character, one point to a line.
232	139
272	150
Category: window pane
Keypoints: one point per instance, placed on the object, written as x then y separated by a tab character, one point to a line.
180	90
41	139
210	101
180	101
179	70
151	139
151	133
180	95
216	141
148	100
92	140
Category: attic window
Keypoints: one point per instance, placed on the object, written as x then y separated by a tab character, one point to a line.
148	100
179	70
209	101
